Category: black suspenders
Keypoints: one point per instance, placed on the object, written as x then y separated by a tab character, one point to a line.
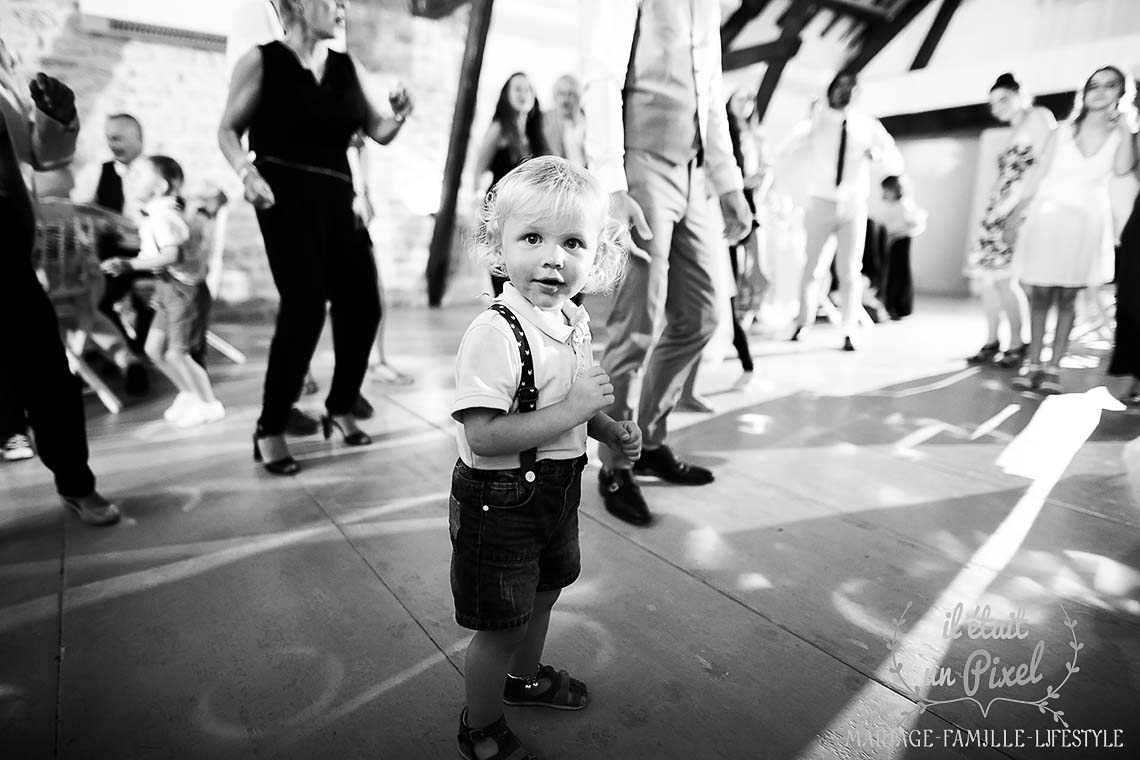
527	393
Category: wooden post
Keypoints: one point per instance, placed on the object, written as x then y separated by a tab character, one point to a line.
439	254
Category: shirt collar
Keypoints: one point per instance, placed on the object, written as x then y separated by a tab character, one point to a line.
160	204
544	321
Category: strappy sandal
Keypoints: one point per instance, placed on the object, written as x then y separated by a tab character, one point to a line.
563	693
1028	379
510	748
1014	357
985	354
1050	383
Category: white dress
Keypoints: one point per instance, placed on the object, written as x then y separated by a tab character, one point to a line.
1067	239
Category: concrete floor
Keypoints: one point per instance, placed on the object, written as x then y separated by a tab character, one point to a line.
237	615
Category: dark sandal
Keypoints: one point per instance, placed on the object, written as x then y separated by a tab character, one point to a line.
1050	383
564	692
985	354
510	748
1014	357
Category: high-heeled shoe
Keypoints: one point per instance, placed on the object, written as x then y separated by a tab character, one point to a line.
286	466
358	438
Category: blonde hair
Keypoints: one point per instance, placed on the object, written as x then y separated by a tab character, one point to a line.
548	186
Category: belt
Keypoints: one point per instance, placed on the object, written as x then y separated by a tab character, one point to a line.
305	168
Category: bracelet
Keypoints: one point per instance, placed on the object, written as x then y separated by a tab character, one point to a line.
399	118
244	171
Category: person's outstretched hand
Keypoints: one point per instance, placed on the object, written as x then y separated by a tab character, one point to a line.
628	210
53	97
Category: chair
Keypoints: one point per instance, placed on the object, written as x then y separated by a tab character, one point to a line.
65	259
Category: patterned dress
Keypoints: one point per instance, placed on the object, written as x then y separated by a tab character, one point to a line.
992	255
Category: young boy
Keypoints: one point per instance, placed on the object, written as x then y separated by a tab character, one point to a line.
903	220
163	248
527	395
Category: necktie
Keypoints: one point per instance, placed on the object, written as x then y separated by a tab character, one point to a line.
842	153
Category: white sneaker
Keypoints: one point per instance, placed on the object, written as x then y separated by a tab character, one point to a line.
212	411
181	402
17	448
191	416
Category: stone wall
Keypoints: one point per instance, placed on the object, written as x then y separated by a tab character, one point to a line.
178	93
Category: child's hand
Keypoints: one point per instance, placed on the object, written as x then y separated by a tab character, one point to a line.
115	267
591	393
625	439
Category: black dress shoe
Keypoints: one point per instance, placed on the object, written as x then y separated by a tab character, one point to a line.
362	410
622	497
301	424
663	463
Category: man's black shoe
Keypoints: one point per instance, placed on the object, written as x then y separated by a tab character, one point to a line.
137	382
623	497
663	463
301	423
362	409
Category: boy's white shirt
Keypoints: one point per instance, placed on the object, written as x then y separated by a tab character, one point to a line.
162	226
488	369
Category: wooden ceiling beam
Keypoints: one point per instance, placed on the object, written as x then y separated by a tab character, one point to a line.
857	9
740	18
879	36
934	36
766	53
795	19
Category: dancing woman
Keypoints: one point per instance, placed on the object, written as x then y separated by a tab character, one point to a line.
989	261
1066	243
301	104
516	133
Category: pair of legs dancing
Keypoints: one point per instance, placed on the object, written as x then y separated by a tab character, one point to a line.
1042	298
43	386
671	295
316	264
1002	296
822	221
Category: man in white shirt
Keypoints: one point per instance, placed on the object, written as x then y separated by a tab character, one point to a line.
843	144
656	133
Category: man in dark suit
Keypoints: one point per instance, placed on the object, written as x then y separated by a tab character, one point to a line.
113	192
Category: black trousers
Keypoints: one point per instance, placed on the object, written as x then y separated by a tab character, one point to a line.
42	385
898	287
318	256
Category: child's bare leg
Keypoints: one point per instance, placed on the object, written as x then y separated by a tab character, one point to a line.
156	349
528	654
485	673
194	375
1040	299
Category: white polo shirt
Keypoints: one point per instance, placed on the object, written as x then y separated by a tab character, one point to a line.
488	369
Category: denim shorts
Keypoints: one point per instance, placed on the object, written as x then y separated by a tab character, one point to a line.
510	539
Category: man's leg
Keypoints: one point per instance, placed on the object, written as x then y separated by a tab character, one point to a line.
690	311
640	301
851	236
819	224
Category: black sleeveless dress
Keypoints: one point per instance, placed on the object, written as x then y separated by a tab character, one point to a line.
1126	346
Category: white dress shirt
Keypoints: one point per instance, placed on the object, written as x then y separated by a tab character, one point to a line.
87	181
667	27
867	143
